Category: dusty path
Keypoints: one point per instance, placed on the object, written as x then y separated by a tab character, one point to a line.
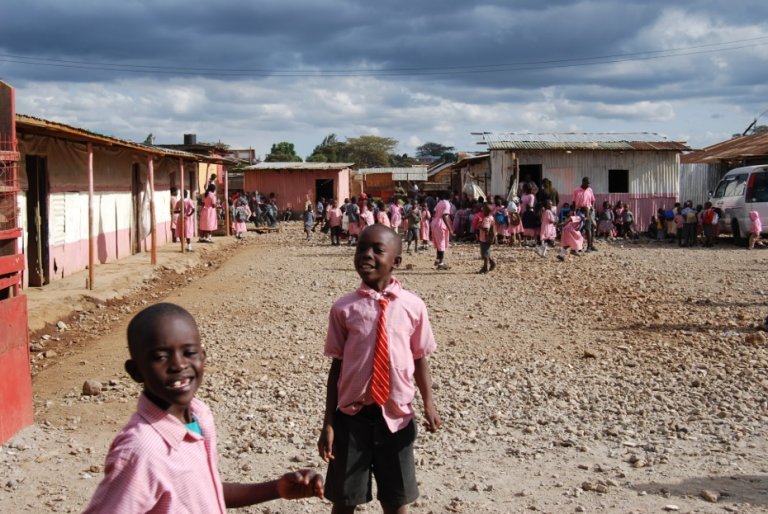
624	381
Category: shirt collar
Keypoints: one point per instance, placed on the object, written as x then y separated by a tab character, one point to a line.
168	427
391	291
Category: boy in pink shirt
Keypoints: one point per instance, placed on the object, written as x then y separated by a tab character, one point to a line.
164	460
379	338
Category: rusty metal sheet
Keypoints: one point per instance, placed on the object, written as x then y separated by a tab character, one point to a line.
11	264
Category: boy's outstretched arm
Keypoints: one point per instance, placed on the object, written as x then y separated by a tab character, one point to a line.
325	442
424	382
291	486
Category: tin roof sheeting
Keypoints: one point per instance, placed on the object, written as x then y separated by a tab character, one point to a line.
612	141
738	147
299	166
401	173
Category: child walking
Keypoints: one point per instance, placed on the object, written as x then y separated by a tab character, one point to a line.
368	428
754	230
164	460
486	235
571	238
548	232
242	214
424	226
187	208
413	217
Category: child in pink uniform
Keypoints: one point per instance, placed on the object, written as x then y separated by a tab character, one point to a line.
368	429
209	220
164	460
571	238
548	232
424	226
333	216
395	215
441	229
381	215
187	208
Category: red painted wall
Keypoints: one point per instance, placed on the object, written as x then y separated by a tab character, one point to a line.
293	186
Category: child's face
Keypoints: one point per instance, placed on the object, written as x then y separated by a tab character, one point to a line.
377	254
170	364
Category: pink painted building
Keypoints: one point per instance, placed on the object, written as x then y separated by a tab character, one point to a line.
639	169
296	182
54	199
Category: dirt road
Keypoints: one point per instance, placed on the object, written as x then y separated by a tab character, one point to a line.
633	379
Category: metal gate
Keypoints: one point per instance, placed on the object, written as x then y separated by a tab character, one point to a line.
15	379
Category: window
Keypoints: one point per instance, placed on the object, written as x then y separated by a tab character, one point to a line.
758	187
731	186
618	181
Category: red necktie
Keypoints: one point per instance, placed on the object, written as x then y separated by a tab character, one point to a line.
380	378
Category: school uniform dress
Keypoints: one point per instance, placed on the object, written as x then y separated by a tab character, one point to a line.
353	226
209	221
366	218
548	231
240	226
395	216
571	236
424	225
155	464
187	208
502	229
382	219
441	233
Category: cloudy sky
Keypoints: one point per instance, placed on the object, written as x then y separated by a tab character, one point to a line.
252	73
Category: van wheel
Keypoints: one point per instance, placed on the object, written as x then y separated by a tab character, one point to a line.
736	231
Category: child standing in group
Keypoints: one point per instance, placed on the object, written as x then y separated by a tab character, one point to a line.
353	218
515	222
242	214
333	216
426	217
548	232
164	460
368	428
309	221
486	236
381	215
754	230
710	219
571	238
186	208
413	218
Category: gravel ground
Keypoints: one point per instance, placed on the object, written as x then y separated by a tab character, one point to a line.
632	379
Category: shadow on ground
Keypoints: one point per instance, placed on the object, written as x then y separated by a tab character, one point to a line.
742	489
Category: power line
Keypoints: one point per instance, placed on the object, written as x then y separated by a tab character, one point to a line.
394	72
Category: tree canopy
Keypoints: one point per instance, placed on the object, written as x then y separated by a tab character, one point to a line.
283	152
330	150
370	151
446	153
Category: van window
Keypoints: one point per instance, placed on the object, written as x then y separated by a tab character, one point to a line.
731	186
758	187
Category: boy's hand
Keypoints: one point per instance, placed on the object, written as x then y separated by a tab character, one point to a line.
432	419
325	443
304	483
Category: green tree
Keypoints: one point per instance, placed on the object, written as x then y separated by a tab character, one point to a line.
433	150
402	161
283	152
330	150
370	151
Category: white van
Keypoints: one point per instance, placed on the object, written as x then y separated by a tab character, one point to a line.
740	191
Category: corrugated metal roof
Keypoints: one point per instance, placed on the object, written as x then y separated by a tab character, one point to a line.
31	124
299	166
398	173
738	147
612	141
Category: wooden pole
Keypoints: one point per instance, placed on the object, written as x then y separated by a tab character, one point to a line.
227	228
182	214
152	221
91	235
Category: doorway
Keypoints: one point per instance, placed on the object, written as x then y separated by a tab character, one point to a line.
324	189
531	170
37	221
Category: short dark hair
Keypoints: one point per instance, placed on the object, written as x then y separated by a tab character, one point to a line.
143	325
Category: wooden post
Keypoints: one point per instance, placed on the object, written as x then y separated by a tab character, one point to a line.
227	228
91	235
152	221
181	225
517	173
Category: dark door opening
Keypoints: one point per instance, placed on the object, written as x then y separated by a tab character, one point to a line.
37	221
528	173
136	198
323	188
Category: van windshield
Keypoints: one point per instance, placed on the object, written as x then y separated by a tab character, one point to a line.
758	187
731	186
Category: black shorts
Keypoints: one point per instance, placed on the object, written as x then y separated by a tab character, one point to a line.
363	447
485	250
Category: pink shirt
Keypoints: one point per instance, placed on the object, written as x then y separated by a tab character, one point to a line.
485	225
352	338
583	197
383	219
334	216
443	207
156	465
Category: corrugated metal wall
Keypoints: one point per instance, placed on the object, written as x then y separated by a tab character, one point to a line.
697	180
649	172
294	187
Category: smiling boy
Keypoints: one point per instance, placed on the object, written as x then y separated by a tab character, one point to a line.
164	460
379	337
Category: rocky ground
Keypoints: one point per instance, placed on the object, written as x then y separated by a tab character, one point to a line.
632	379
